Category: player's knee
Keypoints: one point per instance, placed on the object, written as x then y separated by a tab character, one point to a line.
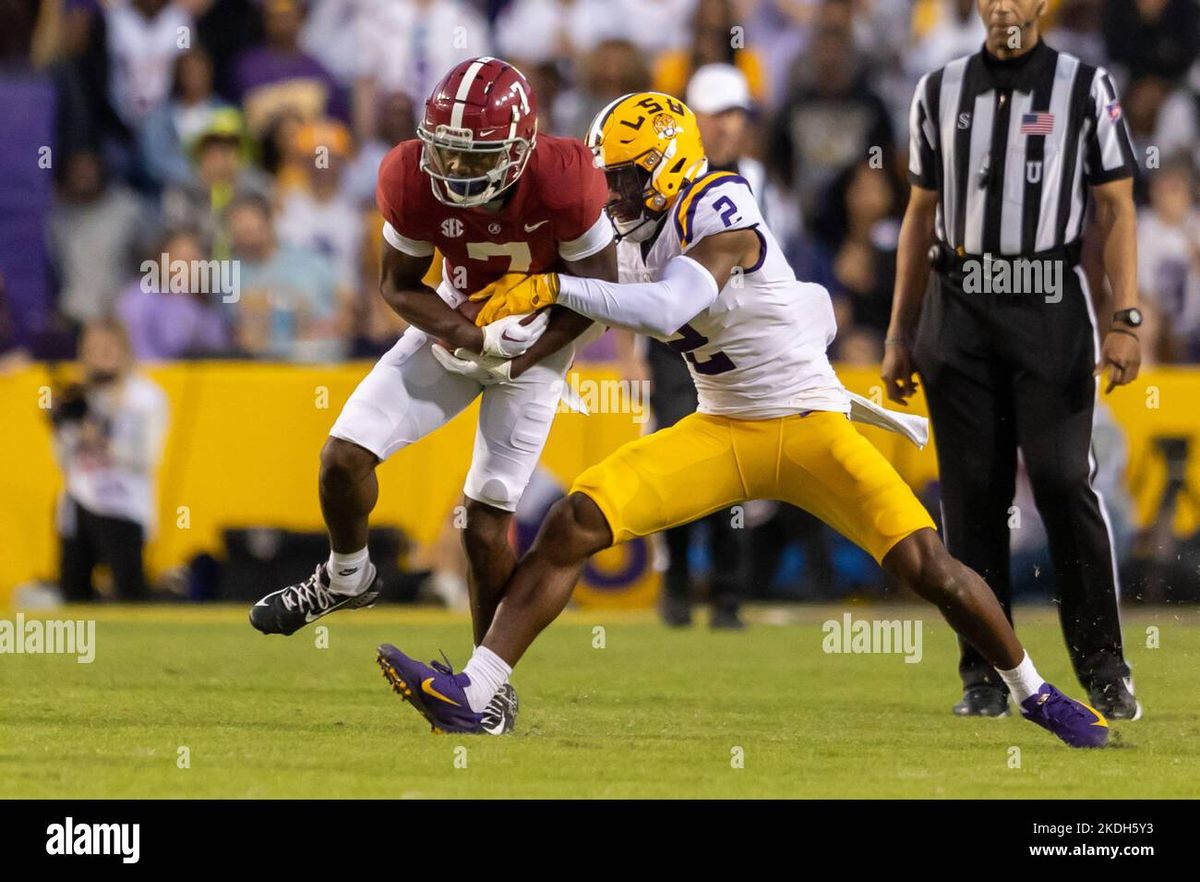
486	528
924	564
344	464
575	528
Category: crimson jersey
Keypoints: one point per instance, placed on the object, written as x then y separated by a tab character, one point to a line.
556	211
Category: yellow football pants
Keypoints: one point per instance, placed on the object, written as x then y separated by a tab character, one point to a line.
818	462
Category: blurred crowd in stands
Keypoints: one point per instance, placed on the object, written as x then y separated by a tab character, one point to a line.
139	136
164	130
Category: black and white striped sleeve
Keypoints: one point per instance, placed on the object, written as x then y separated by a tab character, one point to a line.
922	139
1109	155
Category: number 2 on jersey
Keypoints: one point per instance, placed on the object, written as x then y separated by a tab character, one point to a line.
690	339
727	210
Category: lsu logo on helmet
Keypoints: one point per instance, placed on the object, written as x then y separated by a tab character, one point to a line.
649	146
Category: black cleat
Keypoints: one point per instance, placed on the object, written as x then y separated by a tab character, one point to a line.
500	716
1116	700
288	610
676	612
983	701
725	618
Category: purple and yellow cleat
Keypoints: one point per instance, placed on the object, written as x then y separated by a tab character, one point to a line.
437	693
1076	723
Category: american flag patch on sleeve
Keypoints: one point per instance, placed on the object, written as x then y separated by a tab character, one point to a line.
1040	123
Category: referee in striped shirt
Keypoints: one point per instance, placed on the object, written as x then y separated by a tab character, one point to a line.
1008	146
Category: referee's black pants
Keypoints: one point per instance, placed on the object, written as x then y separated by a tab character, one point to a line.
1008	371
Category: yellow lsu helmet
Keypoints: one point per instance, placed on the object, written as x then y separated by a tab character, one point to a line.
649	146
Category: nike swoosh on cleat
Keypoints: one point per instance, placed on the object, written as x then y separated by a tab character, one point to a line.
312	616
529	228
1100	719
429	690
349	572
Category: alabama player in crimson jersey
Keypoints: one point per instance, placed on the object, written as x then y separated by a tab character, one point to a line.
553	207
482	188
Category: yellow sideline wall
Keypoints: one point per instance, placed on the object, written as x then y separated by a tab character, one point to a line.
244	438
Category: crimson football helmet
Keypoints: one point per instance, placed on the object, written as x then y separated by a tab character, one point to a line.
479	128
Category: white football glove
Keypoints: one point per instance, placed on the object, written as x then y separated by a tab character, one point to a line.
513	335
486	369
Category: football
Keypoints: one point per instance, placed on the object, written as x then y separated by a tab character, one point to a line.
471	308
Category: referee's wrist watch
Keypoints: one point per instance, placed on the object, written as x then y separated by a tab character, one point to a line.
1131	317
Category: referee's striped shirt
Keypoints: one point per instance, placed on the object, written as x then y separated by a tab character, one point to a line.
1010	145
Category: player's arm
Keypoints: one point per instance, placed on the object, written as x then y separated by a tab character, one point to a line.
912	275
689	284
565	324
407	253
402	289
586	248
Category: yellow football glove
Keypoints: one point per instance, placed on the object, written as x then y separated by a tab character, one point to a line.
516	294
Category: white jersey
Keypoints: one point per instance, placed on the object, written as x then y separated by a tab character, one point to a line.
758	351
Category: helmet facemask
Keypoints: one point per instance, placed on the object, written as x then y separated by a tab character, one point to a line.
635	206
626	206
467	173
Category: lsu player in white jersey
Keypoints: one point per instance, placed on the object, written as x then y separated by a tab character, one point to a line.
701	270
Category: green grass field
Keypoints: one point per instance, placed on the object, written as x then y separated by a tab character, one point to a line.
654	713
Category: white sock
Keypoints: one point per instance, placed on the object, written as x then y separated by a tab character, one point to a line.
488	672
350	573
1023	680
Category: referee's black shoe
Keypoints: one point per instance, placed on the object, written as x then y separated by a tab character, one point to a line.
1116	700
983	701
675	612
